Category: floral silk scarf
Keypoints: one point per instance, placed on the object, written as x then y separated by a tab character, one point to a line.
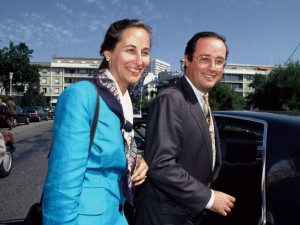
108	91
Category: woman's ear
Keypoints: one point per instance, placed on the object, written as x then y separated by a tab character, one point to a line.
107	55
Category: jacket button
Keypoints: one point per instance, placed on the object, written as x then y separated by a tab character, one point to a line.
120	208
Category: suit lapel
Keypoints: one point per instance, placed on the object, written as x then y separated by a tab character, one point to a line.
197	113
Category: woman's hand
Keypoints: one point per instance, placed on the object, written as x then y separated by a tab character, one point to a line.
139	175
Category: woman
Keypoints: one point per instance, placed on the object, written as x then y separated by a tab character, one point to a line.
86	188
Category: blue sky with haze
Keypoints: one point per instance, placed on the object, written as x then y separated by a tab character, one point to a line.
262	32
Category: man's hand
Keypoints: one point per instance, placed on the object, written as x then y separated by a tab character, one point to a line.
223	203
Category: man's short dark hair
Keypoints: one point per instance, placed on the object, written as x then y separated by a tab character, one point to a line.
191	45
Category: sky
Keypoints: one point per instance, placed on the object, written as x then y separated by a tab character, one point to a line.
259	32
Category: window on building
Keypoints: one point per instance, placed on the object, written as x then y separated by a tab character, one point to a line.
20	89
56	90
82	71
44	90
56	80
70	80
44	80
249	77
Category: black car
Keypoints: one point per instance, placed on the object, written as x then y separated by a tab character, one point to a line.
50	111
36	113
260	166
21	117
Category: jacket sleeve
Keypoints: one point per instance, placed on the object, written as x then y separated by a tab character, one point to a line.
164	142
69	154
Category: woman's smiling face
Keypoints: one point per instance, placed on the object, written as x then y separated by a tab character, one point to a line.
130	57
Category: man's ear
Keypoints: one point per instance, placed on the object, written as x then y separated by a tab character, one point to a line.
186	60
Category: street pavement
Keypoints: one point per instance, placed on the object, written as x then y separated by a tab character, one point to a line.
23	186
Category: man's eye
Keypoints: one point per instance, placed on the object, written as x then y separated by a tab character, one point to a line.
205	60
219	62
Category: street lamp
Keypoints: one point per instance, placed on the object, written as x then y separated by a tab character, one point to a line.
10	82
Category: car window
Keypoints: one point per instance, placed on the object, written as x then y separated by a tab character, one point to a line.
139	126
30	111
2	109
242	134
18	110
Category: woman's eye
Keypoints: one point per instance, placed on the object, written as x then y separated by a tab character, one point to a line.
130	51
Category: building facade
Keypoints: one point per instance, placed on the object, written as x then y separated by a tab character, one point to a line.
63	72
240	76
156	66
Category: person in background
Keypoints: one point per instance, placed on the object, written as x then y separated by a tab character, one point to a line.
182	144
89	188
10	111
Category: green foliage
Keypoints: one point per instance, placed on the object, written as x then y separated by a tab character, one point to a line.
33	97
222	97
16	59
280	90
145	105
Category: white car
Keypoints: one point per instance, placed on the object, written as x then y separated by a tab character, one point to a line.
6	153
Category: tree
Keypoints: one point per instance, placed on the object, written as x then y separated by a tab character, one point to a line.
222	97
33	97
280	90
16	59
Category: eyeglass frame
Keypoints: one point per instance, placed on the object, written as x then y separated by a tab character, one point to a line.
205	61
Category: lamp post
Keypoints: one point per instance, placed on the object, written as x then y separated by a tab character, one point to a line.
10	82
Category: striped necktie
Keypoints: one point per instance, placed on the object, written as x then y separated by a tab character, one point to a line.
209	120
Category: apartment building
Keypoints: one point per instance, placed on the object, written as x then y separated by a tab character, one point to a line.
240	76
62	72
156	66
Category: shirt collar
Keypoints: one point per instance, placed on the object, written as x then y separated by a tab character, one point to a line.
125	99
198	93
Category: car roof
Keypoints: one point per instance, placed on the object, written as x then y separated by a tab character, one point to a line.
283	129
269	116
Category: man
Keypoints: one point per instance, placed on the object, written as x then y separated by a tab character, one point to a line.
10	111
183	158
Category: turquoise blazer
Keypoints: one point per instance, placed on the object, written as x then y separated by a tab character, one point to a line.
84	189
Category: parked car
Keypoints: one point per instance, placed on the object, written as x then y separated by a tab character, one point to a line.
136	113
50	111
36	113
260	166
20	118
6	153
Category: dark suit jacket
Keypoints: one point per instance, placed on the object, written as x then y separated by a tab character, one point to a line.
179	154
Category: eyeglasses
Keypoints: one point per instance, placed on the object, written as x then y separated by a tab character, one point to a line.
206	61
